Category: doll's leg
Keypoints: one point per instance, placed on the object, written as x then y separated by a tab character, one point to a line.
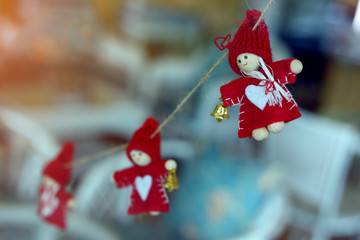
276	127
154	213
260	134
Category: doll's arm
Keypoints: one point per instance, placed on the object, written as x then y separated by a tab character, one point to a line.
232	92
287	70
124	178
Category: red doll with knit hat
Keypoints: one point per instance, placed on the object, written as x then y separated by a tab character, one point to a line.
54	201
148	174
265	103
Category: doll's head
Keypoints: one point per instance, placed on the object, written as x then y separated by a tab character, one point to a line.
142	149
58	170
247	62
248	45
140	158
50	183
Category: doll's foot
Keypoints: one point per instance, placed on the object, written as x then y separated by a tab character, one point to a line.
260	134
154	213
276	127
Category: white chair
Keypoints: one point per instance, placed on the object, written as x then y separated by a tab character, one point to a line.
271	220
89	121
30	147
316	154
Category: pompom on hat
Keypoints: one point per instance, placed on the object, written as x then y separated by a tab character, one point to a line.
142	140
247	41
58	169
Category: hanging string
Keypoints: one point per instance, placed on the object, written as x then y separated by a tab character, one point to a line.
178	107
262	14
162	125
171	116
97	155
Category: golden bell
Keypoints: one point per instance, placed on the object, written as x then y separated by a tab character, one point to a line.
220	112
171	182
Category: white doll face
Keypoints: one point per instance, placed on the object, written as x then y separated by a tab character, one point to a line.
140	158
51	183
247	62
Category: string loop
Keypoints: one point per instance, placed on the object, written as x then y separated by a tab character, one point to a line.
225	42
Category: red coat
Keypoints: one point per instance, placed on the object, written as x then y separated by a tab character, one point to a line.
53	206
251	116
148	194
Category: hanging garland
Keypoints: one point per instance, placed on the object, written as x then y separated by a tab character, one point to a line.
265	105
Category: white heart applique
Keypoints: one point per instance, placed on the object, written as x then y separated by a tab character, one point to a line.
143	185
256	95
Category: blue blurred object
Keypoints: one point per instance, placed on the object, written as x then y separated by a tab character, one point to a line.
218	196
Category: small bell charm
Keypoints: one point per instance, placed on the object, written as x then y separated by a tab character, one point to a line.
171	182
220	112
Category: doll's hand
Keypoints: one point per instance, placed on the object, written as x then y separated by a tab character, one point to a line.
170	164
71	203
296	66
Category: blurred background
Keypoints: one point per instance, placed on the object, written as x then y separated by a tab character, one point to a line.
91	71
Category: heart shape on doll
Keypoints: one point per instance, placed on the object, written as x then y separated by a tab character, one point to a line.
143	185
256	95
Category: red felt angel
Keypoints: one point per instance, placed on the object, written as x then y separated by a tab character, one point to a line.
265	103
148	174
54	201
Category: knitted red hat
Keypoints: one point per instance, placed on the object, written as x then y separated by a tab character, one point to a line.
248	41
58	168
142	140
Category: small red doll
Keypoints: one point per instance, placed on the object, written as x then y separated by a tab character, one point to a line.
264	101
54	201
148	173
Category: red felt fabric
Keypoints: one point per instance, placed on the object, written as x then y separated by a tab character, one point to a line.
141	140
156	199
250	116
56	169
53	200
53	206
152	196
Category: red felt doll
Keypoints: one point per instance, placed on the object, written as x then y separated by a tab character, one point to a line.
148	174
54	201
264	101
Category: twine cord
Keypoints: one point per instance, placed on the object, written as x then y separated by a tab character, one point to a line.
179	106
262	14
97	155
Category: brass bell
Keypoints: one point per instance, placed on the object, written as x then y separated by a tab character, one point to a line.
220	112
171	182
